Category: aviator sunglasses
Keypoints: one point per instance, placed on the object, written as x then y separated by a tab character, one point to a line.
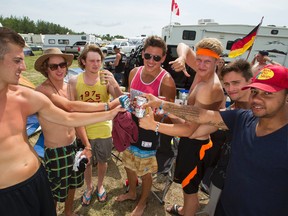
156	58
54	67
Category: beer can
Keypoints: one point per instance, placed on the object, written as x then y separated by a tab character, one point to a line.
125	102
139	110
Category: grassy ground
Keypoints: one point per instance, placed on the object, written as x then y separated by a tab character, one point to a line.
115	178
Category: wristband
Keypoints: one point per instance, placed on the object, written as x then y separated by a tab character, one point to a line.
106	107
157	127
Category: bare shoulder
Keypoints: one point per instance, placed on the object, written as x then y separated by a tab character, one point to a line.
26	98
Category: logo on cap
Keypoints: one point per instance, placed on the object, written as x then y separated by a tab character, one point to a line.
265	74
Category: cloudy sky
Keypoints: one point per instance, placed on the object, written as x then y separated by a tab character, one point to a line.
133	17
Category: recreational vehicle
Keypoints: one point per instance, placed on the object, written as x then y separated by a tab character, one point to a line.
61	41
272	38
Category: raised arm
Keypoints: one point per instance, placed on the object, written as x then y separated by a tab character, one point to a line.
185	56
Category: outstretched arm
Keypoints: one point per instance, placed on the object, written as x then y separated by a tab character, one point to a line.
188	113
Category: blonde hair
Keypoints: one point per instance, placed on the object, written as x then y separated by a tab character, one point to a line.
212	44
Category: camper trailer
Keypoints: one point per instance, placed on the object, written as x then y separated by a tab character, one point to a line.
272	38
63	40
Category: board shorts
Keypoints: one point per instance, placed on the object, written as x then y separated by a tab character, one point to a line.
59	166
140	161
101	150
191	162
30	197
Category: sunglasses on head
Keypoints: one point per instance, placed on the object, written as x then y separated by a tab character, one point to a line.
156	58
54	67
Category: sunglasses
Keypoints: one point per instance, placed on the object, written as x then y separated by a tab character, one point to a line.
156	58
54	67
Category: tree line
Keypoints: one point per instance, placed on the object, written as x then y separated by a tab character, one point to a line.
24	25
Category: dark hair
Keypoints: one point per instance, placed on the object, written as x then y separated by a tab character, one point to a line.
240	66
264	53
89	48
155	41
9	36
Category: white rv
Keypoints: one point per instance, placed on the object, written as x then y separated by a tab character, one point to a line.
32	38
274	39
63	40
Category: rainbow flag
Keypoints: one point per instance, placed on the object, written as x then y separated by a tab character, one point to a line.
242	45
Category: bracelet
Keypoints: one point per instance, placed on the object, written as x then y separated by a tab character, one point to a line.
160	109
106	107
157	127
88	148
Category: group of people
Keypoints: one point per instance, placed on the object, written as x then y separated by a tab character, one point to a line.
251	172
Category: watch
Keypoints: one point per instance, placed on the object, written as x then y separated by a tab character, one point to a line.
106	107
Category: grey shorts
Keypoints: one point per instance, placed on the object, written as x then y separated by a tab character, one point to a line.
101	150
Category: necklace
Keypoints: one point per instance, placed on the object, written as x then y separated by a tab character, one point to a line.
54	86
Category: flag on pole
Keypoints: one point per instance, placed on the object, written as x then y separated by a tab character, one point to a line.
174	8
241	46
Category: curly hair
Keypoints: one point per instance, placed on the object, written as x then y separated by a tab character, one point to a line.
155	41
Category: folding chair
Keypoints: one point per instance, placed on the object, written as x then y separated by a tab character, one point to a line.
39	146
32	128
166	158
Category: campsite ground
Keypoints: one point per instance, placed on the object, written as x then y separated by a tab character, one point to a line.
115	178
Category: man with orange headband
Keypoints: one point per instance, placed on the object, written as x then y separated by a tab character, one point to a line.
205	92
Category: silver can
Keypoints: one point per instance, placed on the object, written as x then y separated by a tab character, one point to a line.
139	110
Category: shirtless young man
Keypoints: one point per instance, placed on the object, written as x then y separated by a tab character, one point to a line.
256	180
260	60
59	140
236	75
206	91
24	187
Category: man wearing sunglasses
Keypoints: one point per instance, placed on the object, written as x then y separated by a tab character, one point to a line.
59	140
194	155
139	159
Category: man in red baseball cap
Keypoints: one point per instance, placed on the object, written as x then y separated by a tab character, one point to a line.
257	175
272	78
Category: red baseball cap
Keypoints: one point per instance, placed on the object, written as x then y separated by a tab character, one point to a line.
272	78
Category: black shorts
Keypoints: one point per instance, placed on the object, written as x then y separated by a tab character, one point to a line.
191	163
31	197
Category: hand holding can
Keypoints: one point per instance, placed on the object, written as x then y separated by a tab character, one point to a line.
102	75
139	109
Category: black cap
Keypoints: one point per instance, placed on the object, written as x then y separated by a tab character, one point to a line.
116	47
264	53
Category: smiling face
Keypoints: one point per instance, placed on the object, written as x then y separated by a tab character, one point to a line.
12	65
56	72
233	83
150	64
267	104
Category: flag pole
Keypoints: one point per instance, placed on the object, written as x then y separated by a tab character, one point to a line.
255	39
170	22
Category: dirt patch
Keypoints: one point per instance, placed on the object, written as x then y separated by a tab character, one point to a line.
114	185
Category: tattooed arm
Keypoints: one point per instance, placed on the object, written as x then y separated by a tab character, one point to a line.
188	113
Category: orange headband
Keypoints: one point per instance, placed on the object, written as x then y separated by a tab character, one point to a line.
207	52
